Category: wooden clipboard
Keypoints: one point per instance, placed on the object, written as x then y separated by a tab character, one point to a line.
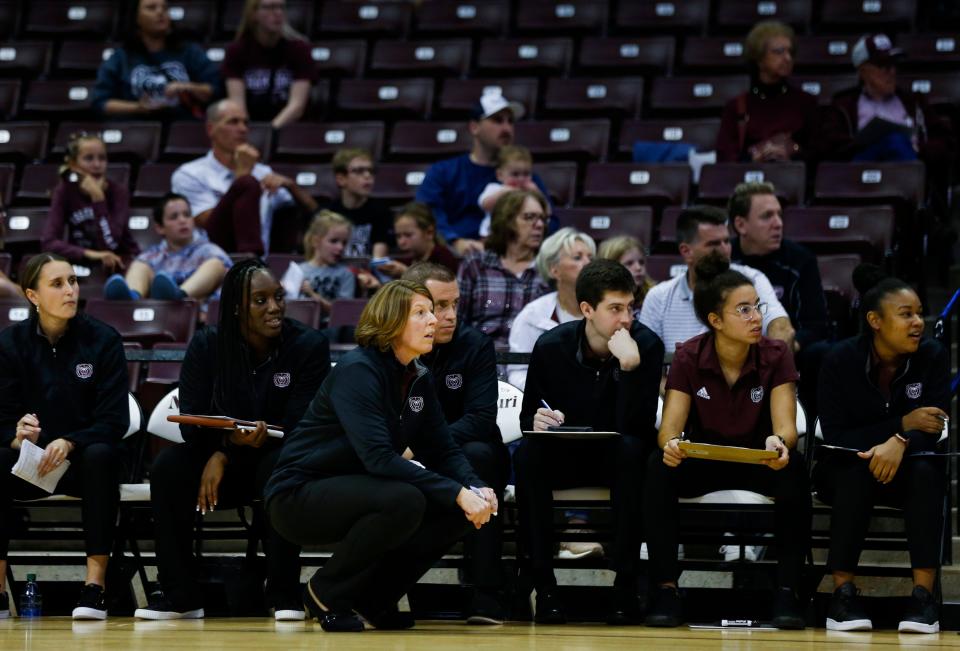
726	452
223	422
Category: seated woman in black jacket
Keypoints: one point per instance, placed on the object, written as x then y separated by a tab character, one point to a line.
730	386
885	393
341	478
258	366
63	387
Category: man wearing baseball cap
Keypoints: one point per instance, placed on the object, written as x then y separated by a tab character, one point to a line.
876	121
451	187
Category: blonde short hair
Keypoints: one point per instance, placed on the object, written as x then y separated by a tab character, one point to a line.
509	153
321	224
385	316
755	45
248	22
560	242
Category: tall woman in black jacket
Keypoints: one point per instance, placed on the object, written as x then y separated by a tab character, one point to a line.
884	393
258	366
342	479
63	387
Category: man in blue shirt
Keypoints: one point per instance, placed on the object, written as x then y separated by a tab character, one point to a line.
452	187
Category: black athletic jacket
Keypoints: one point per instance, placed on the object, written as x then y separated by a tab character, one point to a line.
853	412
604	398
77	389
367	412
464	373
278	391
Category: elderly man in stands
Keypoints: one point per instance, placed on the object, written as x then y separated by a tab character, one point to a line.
452	187
668	307
234	196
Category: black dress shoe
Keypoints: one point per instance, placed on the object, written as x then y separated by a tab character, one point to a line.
667	608
390	620
332	621
624	606
787	610
485	608
549	608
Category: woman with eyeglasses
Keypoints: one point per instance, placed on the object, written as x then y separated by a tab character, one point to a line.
773	120
497	283
729	386
886	393
268	68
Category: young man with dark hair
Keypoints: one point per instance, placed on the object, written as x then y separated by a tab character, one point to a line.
601	372
463	364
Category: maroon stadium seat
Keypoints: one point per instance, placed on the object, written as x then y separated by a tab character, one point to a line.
938	88
153	181
39	180
133	368
280	262
667	239
316	179
702	133
6	263
662	267
822	52
351	18
398	182
824	86
868	15
9	98
477	17
865	230
713	54
8	18
870	183
147	321
648	54
23	141
316	142
339	58
346	311
305	311
141	227
28	59
696	94
604	223
459	96
13	310
378	97
429	140
836	273
718	181
930	51
57	18
165	372
636	183
524	56
565	139
560	179
187	140
24	230
662	16
82	58
562	16
300	15
619	96
741	15
421	58
194	18
67	98
7	172
136	141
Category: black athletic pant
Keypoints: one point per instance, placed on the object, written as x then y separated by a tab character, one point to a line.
386	535
483	548
174	485
918	488
788	487
93	476
543	465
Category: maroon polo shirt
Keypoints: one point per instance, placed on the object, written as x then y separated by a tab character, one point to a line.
737	415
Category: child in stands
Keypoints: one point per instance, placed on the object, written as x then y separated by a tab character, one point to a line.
326	278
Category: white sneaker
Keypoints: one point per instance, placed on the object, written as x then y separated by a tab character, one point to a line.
750	552
289	614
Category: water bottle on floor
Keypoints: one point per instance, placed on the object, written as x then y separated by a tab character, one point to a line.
31	603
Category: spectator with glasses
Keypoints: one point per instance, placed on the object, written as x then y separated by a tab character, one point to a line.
497	283
355	174
729	386
268	68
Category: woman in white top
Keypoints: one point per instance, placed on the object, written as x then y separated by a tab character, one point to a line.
559	261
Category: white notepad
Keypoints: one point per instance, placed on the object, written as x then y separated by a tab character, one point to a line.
27	467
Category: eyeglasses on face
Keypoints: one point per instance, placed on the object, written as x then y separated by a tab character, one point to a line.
531	217
746	311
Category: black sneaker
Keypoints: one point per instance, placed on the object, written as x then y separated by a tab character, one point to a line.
4	605
331	621
485	608
923	613
624	606
549	608
845	612
91	604
288	609
787	611
667	608
161	608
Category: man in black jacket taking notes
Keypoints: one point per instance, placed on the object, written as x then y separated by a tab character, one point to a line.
602	372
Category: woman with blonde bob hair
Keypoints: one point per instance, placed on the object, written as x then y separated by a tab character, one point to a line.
343	478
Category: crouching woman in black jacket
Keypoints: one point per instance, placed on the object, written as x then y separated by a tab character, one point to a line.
63	387
341	477
884	393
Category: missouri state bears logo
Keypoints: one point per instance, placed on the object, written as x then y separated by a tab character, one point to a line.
454	381
281	380
756	394
84	371
416	404
914	390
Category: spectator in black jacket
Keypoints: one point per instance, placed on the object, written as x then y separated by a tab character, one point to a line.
342	477
792	270
602	372
885	393
63	387
257	366
463	365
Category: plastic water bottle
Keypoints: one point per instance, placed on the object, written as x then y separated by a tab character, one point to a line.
31	603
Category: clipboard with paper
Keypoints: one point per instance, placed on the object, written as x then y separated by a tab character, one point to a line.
730	453
223	422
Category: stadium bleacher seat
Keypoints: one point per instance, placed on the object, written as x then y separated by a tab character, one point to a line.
741	15
9	98
300	15
82	58
389	18
58	18
824	86
524	56
702	94
930	51
938	88
702	133
24	230
140	223
153	181
836	275
618	97
564	139
38	181
316	179
345	58
346	312
64	98
868	15
562	16
459	96
824	52
476	18
187	140
194	18
27	59
23	141
303	141
7	172
627	55
165	373
13	310
8	18
133	141
870	183
398	182
716	54
6	263
718	181
133	368
604	223
667	237
377	98
864	230
428	140
560	179
147	321
636	183
664	17
318	102
450	57
662	267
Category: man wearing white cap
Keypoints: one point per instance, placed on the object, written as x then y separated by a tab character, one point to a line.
876	121
451	187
